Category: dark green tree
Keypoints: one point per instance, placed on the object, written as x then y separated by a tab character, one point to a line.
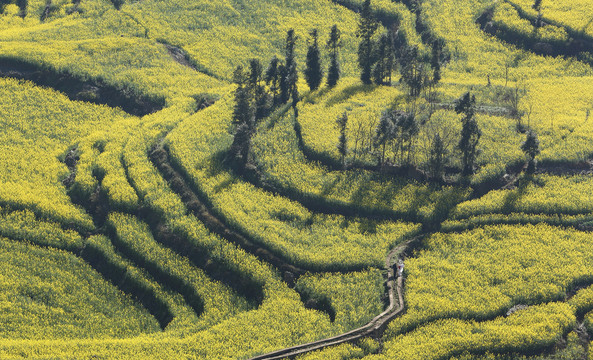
412	71
292	79
470	132
257	91
291	40
438	158
313	70
243	118
255	75
435	61
342	123
333	45
117	4
290	76
367	26
400	42
385	59
283	84
531	148
272	77
22	4
407	130
537	5
385	133
242	111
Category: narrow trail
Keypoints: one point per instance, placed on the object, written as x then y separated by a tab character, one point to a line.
290	272
160	158
375	327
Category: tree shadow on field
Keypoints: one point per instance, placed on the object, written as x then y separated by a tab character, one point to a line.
444	205
312	97
217	164
511	200
349	92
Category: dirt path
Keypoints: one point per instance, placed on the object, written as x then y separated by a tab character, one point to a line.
160	158
395	288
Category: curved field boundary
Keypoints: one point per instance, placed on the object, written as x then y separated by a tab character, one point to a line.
115	269
373	328
181	56
577	45
319	204
388	20
575	34
378	324
180	243
96	90
180	185
198	204
470	223
111	263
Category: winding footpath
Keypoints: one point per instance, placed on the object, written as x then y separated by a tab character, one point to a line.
374	327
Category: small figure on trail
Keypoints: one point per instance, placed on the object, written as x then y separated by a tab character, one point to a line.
400	268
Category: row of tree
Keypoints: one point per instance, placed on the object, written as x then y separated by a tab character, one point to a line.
378	58
397	130
314	70
260	91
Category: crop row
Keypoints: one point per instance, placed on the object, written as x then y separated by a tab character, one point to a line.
462	275
52	294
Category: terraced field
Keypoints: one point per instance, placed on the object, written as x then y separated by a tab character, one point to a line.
127	231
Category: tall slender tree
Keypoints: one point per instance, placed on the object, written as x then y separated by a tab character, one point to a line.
367	26
531	148
283	84
291	40
242	111
408	129
333	45
470	132
413	71
243	118
293	78
435	61
257	90
272	77
313	71
438	158
290	75
385	133
384	56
